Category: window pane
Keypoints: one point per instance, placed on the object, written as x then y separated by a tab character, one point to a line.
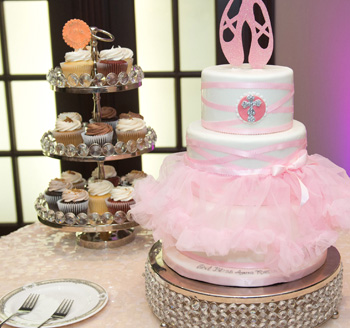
35	174
1	64
7	193
190	103
28	36
197	34
157	105
151	163
34	112
154	35
4	139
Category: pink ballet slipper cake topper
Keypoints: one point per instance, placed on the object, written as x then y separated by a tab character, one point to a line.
233	49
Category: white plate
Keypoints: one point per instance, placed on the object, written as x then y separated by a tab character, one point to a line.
89	298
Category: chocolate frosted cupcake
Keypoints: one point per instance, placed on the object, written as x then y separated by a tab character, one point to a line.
74	200
108	115
100	133
54	192
110	174
132	177
115	60
99	191
68	131
75	178
130	126
120	200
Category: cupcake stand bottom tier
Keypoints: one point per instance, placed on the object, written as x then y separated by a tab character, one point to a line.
108	239
98	236
181	302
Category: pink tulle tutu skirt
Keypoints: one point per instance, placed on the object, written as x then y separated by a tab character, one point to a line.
213	214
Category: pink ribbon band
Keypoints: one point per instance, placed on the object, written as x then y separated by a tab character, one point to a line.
277	107
228	127
247	85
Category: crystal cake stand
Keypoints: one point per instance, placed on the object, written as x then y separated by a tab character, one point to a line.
181	302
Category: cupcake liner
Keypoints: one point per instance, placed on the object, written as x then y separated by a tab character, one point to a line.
101	140
68	137
75	208
78	67
130	61
125	136
111	66
52	201
119	206
97	204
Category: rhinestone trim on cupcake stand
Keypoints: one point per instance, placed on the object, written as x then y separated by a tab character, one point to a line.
96	152
183	303
92	230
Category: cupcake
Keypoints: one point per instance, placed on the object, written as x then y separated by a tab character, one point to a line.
108	115
130	126
75	178
54	192
71	115
68	131
133	176
120	200
98	132
99	191
74	200
110	174
77	62
115	60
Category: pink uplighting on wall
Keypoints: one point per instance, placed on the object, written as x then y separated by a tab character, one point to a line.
313	38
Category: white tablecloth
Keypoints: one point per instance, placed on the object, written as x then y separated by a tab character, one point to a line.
38	252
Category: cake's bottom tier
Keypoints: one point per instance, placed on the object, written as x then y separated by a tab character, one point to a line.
286	219
230	273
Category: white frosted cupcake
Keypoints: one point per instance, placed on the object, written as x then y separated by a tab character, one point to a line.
54	192
130	126
121	199
77	62
110	174
99	191
71	115
115	60
74	200
75	178
132	177
68	131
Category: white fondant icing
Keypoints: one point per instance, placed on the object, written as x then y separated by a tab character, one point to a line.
235	276
196	132
231	96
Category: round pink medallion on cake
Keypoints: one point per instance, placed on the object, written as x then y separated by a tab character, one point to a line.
251	108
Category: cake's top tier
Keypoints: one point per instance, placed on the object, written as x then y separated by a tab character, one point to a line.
247	101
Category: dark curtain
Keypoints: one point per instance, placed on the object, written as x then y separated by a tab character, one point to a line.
118	18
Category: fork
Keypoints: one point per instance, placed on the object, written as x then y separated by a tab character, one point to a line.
26	307
61	311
